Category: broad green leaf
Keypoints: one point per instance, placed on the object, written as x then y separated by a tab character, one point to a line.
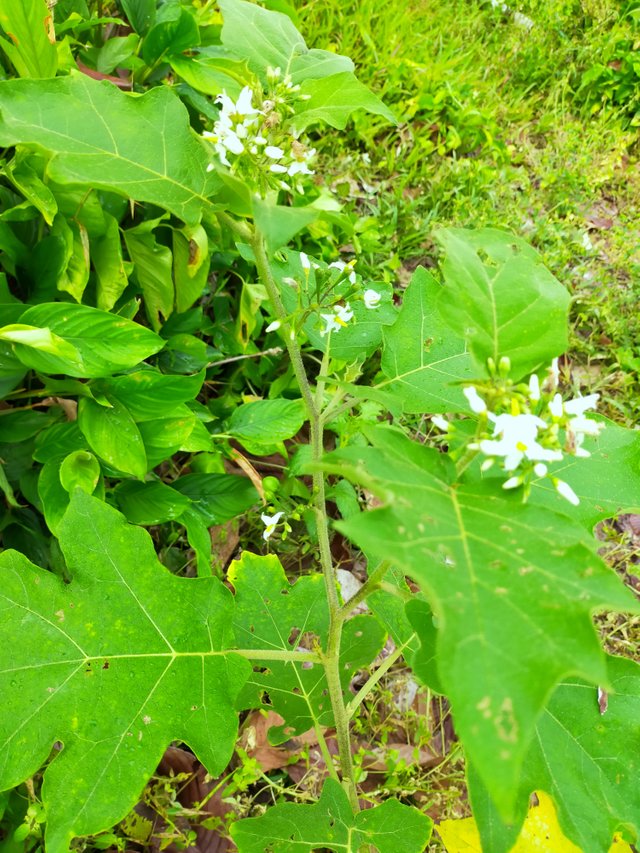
512	586
106	342
175	30
58	441
19	426
150	503
607	484
136	145
333	100
106	255
422	359
140	13
113	436
12	369
279	223
330	824
199	539
115	692
265	38
586	758
501	299
153	264
212	74
165	436
31	44
54	496
80	470
272	613
217	497
267	421
149	394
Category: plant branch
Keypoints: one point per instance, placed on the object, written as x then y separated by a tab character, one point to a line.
371	584
375	677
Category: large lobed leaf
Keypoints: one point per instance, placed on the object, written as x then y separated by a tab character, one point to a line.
587	756
512	587
139	146
330	824
114	666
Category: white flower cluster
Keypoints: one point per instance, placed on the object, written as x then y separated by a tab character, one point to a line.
523	439
242	129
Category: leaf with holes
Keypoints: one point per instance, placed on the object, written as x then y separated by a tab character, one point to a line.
512	587
115	665
330	824
273	614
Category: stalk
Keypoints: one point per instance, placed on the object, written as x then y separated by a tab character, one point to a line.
331	658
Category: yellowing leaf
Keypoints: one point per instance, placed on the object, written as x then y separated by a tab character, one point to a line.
540	834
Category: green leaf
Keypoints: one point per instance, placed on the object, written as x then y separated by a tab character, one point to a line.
501	299
330	824
113	436
73	237
19	426
586	760
165	436
153	264
512	587
115	692
267	421
110	140
106	255
272	613
31	43
175	31
140	13
106	343
58	441
279	223
149	394
334	99
217	497
211	74
199	539
150	503
191	260
422	359
40	341
607	484
11	370
265	38
27	180
80	470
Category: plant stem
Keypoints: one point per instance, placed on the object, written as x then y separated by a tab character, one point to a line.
370	585
331	658
375	677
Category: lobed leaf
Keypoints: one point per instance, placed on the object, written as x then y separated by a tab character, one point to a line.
138	146
512	586
113	691
330	824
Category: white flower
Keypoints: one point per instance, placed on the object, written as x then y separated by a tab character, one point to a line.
476	403
540	469
371	298
440	422
278	169
306	264
513	482
579	405
519	440
566	491
273	152
338	320
272	327
342	266
270	522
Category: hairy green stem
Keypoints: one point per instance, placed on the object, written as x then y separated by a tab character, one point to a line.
313	403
